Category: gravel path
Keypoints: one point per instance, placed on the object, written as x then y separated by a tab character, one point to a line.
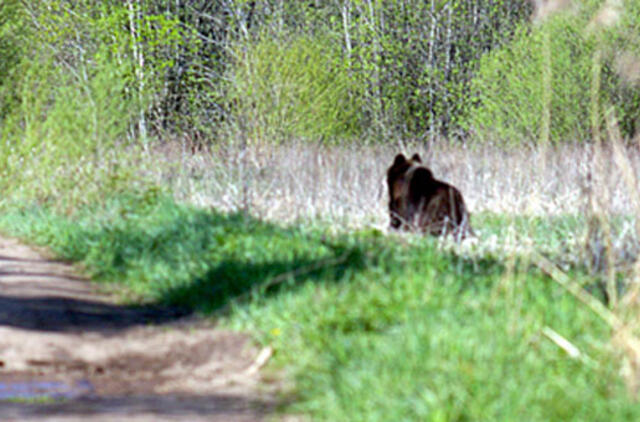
70	353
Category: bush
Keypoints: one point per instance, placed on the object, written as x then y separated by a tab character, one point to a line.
512	93
622	55
374	68
298	87
72	107
10	51
410	62
514	98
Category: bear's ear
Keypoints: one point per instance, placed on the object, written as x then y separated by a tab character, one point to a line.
399	160
416	158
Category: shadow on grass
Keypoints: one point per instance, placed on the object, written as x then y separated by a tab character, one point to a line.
236	281
198	259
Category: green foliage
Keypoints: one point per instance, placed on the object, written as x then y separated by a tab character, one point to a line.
64	127
74	97
622	67
331	70
410	62
320	70
416	60
372	328
512	92
11	33
293	88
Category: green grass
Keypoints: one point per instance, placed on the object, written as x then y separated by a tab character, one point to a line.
370	327
34	400
181	255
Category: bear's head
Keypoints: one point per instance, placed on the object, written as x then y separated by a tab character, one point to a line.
399	180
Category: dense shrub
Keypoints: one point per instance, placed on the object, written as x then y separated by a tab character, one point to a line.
399	68
75	98
622	55
510	84
410	62
10	52
293	88
514	96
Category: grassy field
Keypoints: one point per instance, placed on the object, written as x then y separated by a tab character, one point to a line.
369	325
239	173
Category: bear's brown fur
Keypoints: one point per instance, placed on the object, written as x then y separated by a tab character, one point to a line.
417	201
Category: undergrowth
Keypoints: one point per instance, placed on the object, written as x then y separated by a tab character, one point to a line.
372	327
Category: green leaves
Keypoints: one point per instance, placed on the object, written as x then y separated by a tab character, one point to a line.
514	97
291	88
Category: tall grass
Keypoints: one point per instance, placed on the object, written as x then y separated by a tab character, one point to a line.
347	183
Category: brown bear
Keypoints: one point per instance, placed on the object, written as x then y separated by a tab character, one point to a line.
417	201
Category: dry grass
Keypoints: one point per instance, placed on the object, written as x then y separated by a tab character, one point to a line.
347	184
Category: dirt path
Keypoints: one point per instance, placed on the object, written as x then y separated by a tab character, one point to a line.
61	339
